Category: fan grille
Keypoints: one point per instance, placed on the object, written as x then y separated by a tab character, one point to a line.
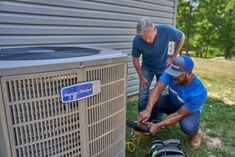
39	53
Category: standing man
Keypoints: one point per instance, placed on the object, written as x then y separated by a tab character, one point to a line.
184	102
152	43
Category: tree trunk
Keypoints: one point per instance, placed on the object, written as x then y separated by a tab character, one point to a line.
206	52
226	52
188	29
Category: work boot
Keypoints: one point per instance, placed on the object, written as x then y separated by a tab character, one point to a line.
196	140
135	133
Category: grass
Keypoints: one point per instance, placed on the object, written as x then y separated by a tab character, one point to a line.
218	117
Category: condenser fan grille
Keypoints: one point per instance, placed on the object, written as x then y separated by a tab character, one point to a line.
39	53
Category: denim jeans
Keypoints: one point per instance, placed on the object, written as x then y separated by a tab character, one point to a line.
189	124
144	92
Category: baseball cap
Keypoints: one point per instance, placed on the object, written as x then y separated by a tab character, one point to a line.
179	65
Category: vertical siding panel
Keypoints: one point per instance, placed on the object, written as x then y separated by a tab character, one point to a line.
99	23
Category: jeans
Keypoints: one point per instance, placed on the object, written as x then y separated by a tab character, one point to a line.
189	124
144	92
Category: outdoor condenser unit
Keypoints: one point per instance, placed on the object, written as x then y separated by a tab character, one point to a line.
62	101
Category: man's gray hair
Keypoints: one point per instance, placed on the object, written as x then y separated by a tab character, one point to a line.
144	24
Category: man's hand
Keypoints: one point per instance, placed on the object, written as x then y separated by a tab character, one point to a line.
143	83
143	116
153	128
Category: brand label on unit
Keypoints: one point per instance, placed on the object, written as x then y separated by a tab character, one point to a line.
80	91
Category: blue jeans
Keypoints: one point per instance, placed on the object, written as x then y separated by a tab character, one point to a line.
189	124
144	92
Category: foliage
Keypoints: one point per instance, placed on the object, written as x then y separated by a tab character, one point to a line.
209	26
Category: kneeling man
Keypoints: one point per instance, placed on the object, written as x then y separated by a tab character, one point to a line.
184	102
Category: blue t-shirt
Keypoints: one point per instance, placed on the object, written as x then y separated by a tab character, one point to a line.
154	56
192	95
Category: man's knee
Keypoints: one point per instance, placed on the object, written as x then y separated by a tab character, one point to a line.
189	127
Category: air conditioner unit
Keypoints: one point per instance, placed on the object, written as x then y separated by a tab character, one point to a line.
42	113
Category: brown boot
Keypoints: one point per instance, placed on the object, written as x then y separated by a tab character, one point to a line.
139	133
196	140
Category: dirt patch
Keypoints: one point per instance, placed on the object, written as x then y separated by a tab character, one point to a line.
229	102
213	94
225	100
213	142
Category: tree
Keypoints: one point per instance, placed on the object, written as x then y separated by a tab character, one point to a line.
184	18
226	29
209	27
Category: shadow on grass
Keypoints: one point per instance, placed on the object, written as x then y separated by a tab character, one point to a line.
217	121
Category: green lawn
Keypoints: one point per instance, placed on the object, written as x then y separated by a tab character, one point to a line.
218	118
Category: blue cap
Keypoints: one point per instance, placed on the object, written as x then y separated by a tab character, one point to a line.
179	65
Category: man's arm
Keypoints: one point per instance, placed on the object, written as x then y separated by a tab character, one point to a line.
136	63
158	88
171	119
179	46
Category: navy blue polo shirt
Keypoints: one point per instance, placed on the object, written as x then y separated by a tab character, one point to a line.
154	56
